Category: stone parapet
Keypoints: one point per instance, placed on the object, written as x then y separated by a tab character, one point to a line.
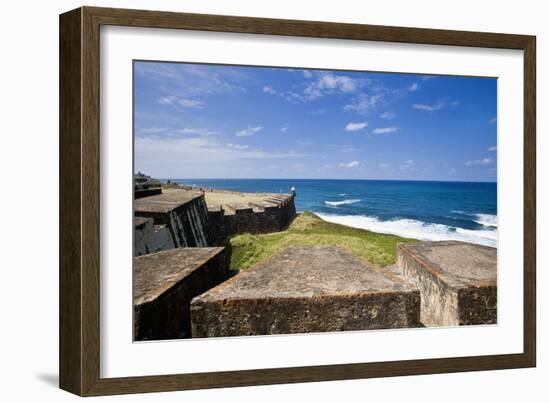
256	217
140	193
164	285
150	238
184	214
457	281
302	290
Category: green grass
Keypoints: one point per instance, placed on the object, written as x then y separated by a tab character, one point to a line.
308	229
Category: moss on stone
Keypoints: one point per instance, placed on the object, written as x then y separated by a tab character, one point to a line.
309	229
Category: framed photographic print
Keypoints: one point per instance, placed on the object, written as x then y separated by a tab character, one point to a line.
250	201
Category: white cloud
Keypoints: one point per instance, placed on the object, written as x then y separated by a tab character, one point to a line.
493	148
348	165
190	81
198	131
408	165
320	84
385	130
182	102
270	90
376	94
443	103
343	148
191	103
192	152
483	161
363	103
353	127
238	146
384	165
168	100
388	115
151	130
249	131
284	128
329	82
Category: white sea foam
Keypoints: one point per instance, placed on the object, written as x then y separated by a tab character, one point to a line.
487	220
342	194
415	229
339	203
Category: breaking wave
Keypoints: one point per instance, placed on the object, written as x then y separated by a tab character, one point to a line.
416	229
487	220
341	202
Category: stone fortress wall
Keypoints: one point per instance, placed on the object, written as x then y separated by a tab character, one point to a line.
257	217
181	218
182	285
177	253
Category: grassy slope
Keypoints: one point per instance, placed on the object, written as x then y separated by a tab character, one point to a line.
308	229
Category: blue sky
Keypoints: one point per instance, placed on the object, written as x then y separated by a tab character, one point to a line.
214	121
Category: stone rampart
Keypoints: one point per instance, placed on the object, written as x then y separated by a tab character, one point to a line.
150	238
302	290
258	217
140	193
180	287
164	284
181	218
184	214
457	281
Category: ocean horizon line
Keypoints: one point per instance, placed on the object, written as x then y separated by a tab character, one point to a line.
330	179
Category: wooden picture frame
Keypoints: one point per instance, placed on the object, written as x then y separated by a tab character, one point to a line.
79	346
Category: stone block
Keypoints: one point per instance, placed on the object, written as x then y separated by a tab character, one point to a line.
140	193
183	212
255	217
164	285
239	208
265	205
302	290
457	281
150	238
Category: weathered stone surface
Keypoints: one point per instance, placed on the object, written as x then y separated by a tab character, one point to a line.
140	193
254	217
150	238
165	202
306	289
142	181
265	205
191	222
184	213
164	284
239	208
457	281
